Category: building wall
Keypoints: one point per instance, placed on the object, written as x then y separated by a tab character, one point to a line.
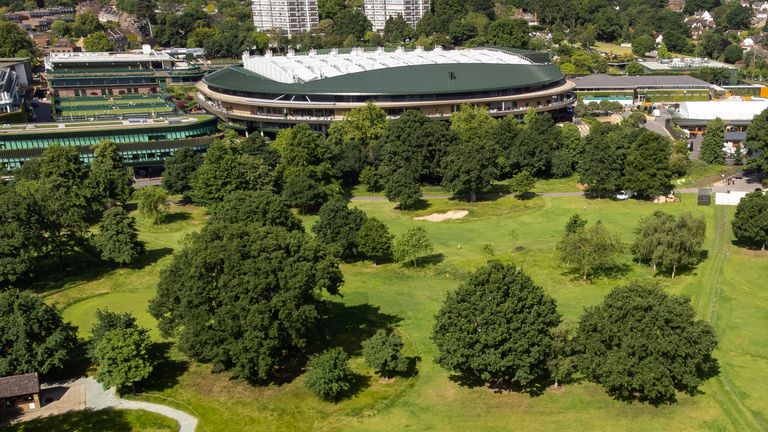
378	11
292	16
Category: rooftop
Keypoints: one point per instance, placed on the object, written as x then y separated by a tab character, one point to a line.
300	68
684	63
635	82
727	110
19	385
95	57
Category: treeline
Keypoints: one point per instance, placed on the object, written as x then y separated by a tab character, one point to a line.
52	202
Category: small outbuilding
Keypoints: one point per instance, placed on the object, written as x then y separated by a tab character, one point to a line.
704	197
20	392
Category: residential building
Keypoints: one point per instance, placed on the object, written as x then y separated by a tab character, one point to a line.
19	393
15	76
290	16
378	11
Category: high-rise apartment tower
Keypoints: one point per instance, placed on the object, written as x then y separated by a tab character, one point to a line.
378	11
291	16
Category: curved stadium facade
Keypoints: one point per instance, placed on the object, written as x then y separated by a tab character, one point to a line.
272	92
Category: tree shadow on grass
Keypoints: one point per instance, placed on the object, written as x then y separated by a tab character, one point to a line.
421	204
348	326
614	272
533	389
167	370
433	259
73	421
150	257
359	383
176	217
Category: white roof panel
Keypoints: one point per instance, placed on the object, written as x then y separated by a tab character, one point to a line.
725	110
298	68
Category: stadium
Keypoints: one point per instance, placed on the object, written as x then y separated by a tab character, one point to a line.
269	92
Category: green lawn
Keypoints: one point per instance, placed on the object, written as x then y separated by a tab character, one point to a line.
98	421
726	289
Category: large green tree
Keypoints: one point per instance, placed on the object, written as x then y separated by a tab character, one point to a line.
533	147
153	203
98	42
712	144
338	227
509	33
756	142
34	338
123	358
496	327
642	344
117	239
13	39
646	169
750	224
375	241
403	188
179	168
472	162
246	298
110	178
259	207
21	235
412	245
601	166
354	140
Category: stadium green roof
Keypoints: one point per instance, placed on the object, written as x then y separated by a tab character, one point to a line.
406	80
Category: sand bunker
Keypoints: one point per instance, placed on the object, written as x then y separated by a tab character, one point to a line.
439	217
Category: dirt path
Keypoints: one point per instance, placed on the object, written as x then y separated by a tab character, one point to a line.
96	398
729	395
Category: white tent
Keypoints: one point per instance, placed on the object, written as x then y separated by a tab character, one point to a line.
725	110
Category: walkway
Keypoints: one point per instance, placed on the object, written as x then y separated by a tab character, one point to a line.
545	194
96	398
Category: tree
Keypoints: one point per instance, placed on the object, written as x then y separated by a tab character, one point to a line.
353	141
533	147
34	338
98	42
85	23
712	144
59	28
21	235
496	327
646	169
601	165
522	184
397	30
246	298
232	164
338	227
179	169
732	54
412	245
634	68
107	321
375	241
329	375
750	223
123	358
110	178
575	224
117	239
13	39
589	249
509	33
153	203
384	353
642	344
303	193
756	142
471	163
57	184
666	243
738	17
403	188
642	45
259	208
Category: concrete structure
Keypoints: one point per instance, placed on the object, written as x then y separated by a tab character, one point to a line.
378	11
19	393
15	77
632	90
269	92
687	65
290	16
107	74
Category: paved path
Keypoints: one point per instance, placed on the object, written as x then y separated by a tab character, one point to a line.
96	398
545	194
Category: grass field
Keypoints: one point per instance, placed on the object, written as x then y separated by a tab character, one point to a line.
113	420
726	289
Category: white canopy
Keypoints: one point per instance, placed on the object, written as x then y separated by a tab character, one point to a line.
725	110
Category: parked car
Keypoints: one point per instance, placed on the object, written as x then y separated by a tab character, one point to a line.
624	195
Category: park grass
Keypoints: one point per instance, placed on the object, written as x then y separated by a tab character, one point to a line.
524	232
612	48
98	421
